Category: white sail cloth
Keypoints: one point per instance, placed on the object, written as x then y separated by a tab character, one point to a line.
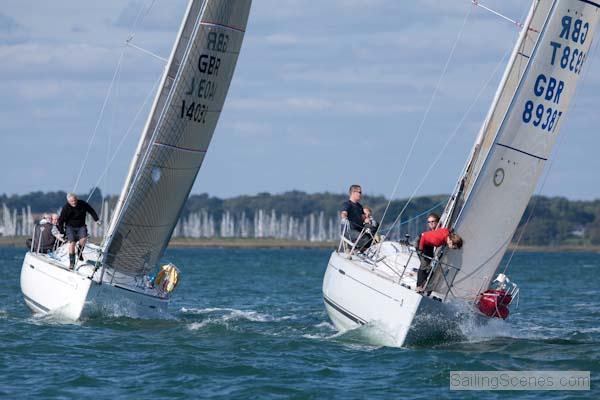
177	134
517	139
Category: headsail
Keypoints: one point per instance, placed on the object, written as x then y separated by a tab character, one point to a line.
517	64
177	133
516	140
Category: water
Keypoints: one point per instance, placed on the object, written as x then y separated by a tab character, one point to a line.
251	324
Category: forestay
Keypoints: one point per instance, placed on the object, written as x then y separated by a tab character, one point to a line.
514	72
516	140
177	134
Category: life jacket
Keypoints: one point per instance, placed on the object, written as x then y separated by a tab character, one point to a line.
167	278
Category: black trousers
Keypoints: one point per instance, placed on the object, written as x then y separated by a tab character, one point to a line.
425	257
422	275
365	240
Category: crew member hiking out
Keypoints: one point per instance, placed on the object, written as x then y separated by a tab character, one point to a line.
430	239
72	222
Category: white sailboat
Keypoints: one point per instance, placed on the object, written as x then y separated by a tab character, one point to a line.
515	141
168	157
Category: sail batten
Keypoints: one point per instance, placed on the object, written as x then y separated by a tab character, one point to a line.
177	134
516	141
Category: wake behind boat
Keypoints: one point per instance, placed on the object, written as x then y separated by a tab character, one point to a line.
168	157
379	285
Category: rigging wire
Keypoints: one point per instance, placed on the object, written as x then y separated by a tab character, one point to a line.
427	110
114	114
129	130
100	117
128	43
477	3
451	137
114	155
139	18
441	203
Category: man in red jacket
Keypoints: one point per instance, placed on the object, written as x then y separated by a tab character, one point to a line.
429	240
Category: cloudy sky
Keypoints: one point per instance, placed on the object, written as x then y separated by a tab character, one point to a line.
326	93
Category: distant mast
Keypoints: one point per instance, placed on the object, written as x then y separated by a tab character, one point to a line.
177	134
516	141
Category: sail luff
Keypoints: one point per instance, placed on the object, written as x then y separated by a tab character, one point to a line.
527	131
488	132
147	153
179	133
133	166
511	65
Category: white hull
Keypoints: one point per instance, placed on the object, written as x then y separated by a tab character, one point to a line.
357	292
49	287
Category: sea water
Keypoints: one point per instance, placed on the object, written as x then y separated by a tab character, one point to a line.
250	323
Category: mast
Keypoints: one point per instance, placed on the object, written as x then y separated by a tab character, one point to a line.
144	134
515	142
177	134
513	73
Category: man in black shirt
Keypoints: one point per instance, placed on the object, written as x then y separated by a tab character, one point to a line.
72	221
352	212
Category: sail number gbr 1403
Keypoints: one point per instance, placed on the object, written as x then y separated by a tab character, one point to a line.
193	111
204	87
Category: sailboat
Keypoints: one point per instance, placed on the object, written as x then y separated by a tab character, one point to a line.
169	155
378	286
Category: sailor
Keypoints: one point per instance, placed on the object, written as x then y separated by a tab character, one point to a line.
352	213
433	221
43	240
72	221
430	239
55	231
370	222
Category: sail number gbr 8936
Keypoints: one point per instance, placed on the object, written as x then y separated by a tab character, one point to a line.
567	56
202	89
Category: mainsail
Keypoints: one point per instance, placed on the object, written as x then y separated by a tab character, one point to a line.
516	141
177	134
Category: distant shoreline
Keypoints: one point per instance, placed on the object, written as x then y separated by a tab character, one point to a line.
269	243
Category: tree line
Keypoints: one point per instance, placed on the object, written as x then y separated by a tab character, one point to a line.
546	221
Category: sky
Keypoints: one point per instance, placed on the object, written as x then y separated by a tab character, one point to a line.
326	93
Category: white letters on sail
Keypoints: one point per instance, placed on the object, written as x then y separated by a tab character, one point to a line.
520	140
177	134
